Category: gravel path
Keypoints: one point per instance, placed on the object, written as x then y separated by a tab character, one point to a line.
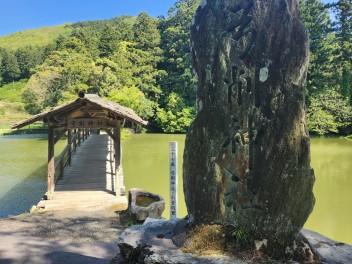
87	236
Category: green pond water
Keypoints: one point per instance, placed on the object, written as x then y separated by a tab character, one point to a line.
23	172
146	165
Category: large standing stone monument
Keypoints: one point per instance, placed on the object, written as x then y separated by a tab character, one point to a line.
247	156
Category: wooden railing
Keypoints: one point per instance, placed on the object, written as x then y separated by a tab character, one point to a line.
65	157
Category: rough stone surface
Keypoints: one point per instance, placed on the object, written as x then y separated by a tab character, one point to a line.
154	210
153	243
247	154
328	250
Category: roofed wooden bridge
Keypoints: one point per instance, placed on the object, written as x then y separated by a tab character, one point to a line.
89	171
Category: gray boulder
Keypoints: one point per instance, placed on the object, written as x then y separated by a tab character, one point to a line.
247	153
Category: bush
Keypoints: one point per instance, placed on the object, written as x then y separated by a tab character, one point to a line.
328	113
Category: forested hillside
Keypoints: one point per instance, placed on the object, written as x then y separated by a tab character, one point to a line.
34	37
144	63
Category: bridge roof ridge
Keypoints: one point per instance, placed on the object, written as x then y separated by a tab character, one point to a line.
113	107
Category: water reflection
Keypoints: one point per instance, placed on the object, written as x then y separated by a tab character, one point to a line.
22	172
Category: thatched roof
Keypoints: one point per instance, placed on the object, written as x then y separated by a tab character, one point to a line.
89	102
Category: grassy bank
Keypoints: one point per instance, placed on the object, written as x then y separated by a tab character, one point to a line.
11	105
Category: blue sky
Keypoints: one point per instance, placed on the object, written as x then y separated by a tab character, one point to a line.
17	15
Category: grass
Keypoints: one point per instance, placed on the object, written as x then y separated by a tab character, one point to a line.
209	239
35	128
34	37
11	105
11	113
12	92
125	133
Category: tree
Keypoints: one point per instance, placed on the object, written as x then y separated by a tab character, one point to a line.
146	34
175	117
146	55
88	40
175	35
64	73
28	58
329	113
103	78
138	67
133	98
10	70
322	66
107	41
343	27
42	91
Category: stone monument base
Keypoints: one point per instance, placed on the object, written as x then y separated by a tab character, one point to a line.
153	242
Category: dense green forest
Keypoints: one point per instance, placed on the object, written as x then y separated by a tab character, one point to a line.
144	63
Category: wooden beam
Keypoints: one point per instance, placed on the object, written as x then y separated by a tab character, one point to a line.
51	163
85	123
110	133
112	123
57	138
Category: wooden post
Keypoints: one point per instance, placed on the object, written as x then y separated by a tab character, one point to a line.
51	163
117	150
75	141
61	175
79	137
69	142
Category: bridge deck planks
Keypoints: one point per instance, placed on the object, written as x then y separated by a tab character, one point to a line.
90	180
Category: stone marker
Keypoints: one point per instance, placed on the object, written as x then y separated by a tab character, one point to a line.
247	154
173	152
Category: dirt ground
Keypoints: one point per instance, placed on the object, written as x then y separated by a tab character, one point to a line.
68	236
88	225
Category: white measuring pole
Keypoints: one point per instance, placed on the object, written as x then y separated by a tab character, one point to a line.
173	179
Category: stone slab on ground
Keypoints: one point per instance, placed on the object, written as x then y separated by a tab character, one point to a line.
153	243
329	251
